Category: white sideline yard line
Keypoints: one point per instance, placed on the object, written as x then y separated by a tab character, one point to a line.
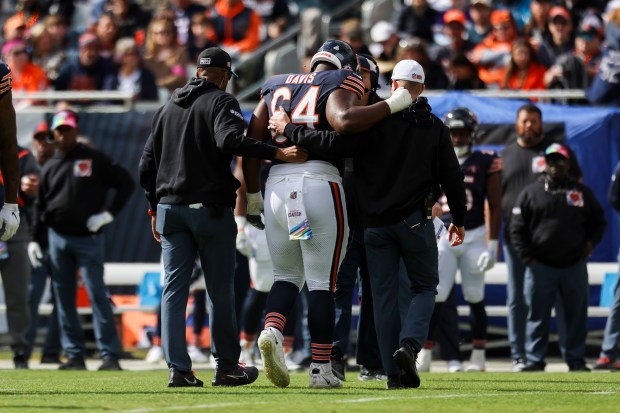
351	401
452	396
190	407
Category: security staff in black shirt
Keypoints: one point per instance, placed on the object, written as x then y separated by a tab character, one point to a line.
554	227
186	175
71	205
399	166
523	163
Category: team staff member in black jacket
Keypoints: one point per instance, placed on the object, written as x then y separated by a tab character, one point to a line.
524	162
554	227
72	194
399	165
185	172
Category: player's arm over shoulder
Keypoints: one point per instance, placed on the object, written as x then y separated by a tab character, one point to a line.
5	80
343	111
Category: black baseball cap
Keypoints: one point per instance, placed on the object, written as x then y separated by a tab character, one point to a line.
215	57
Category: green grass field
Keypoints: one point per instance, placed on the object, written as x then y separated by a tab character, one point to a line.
142	392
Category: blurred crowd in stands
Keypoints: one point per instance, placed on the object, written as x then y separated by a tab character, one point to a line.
149	47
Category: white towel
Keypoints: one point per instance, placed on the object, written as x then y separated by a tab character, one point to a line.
298	225
440	228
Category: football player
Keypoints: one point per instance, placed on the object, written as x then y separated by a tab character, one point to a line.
305	214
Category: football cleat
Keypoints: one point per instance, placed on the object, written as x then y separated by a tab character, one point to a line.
322	377
238	376
424	359
477	361
155	355
196	355
270	345
455	366
178	379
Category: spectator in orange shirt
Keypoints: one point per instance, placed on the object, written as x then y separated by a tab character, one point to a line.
236	27
27	76
494	52
523	72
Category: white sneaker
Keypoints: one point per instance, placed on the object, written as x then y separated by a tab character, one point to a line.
425	356
321	377
247	355
518	365
155	355
290	364
197	355
455	366
270	344
477	361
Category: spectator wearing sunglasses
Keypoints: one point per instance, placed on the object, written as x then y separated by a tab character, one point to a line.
27	76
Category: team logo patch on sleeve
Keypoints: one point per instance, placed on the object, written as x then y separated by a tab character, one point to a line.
574	198
538	164
83	168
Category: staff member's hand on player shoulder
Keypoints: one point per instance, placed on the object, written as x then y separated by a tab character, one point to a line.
278	122
458	233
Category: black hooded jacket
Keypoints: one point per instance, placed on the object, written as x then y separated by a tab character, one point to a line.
188	154
397	163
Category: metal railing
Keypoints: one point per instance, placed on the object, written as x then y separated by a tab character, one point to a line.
87	101
517	94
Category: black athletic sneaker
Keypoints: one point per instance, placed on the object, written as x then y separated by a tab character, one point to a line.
73	364
50	359
20	361
178	379
367	374
405	358
338	363
579	367
394	383
533	367
238	376
110	364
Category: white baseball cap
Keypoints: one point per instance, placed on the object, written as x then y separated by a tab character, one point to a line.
382	31
408	70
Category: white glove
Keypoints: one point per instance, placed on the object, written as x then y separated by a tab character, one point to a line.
95	222
9	217
255	208
400	99
487	258
35	254
242	242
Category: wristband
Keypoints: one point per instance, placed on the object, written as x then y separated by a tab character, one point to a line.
151	213
240	220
